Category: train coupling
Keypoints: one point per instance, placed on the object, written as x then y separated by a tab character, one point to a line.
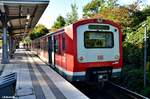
99	74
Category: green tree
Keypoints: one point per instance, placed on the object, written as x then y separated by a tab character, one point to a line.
146	11
92	8
41	29
59	23
111	3
127	16
117	14
38	31
73	15
26	40
96	6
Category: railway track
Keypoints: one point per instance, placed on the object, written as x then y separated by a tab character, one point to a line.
110	91
128	93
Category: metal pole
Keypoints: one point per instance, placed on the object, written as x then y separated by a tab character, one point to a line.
4	47
145	53
11	46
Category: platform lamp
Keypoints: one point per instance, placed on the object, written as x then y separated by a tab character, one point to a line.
28	14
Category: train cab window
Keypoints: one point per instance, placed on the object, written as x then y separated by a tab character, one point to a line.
98	39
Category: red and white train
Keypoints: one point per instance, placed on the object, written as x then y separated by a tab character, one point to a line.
88	50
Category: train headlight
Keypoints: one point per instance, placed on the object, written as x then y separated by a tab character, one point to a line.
81	58
116	57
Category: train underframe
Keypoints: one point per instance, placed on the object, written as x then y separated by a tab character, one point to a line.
97	76
93	76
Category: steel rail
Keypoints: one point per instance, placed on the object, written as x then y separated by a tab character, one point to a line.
129	92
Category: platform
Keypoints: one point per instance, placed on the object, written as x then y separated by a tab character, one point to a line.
36	80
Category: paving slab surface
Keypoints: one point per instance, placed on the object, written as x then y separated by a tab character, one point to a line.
36	80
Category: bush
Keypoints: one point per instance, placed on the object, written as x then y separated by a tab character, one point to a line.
133	79
146	92
132	55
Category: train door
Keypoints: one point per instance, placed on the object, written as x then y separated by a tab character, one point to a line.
57	50
51	49
63	55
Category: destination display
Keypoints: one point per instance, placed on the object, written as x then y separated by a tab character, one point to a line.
100	27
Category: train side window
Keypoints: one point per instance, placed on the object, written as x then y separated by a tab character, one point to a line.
45	44
38	43
46	48
63	42
52	43
56	45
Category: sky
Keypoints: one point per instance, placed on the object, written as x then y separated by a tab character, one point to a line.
62	7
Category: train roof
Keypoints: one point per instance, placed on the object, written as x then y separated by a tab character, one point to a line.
85	21
92	20
97	20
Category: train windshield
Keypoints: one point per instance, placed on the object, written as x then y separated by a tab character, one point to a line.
98	39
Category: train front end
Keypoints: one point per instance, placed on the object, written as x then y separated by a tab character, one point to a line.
98	50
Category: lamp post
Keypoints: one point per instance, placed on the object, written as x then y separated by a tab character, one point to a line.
145	53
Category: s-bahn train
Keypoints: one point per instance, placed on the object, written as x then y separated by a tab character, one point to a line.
87	50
